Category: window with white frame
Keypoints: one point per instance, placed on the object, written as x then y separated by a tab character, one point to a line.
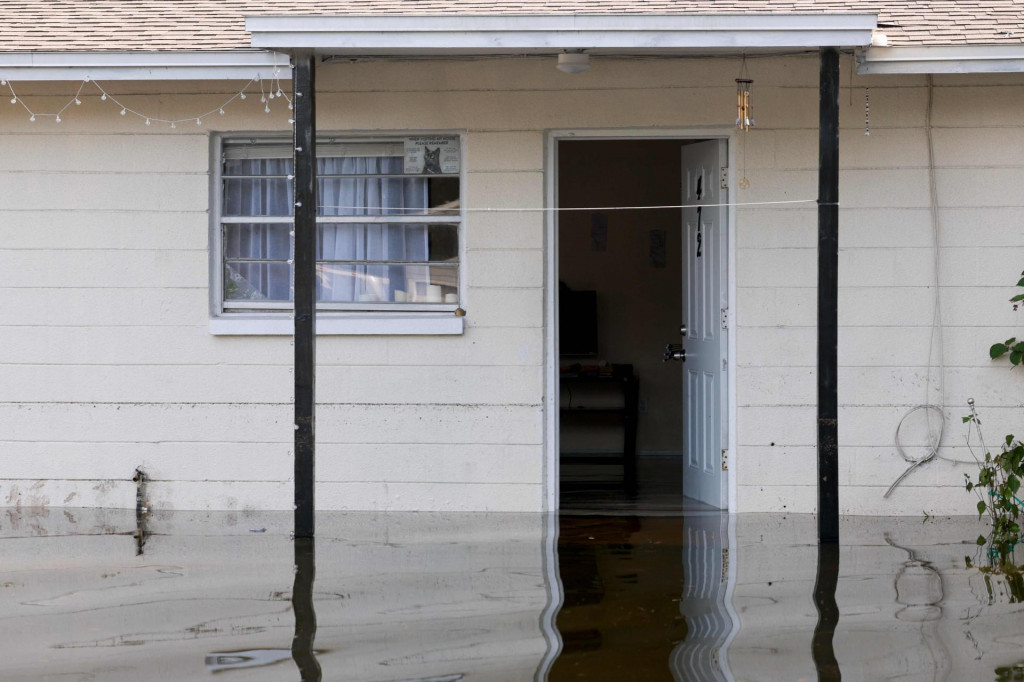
388	224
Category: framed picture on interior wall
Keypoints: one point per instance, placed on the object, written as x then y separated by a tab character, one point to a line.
599	232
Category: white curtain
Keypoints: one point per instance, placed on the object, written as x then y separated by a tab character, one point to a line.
348	196
258	197
369	241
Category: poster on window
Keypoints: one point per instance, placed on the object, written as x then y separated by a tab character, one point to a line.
432	155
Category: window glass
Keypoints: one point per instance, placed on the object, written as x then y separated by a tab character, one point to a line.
370	255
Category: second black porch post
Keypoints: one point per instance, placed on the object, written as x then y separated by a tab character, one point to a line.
828	298
304	99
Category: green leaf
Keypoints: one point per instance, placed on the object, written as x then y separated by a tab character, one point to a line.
981	540
1013	483
981	510
1010	341
1015	357
967	419
1018	297
998	349
1021	282
1009	439
970	487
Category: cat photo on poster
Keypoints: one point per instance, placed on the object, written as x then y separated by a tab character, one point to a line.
432	155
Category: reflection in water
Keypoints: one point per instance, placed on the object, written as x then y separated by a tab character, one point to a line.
826	580
447	597
644	599
305	615
920	593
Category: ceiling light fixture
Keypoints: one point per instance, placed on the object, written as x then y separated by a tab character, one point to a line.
573	62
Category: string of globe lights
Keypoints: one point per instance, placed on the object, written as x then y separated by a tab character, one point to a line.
270	89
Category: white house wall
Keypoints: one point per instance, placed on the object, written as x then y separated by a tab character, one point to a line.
107	363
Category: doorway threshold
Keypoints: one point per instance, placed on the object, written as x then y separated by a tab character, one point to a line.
604	502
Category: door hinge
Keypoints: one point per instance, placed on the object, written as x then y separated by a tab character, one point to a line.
725	460
725	318
725	178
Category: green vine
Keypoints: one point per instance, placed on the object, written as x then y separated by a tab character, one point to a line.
1012	346
999	475
998	488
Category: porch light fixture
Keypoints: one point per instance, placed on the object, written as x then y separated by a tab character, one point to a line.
573	62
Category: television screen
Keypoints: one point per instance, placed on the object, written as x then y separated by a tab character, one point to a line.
577	322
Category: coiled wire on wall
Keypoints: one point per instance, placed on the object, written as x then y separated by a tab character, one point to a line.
935	340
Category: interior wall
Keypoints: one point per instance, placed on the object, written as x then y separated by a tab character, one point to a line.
639	303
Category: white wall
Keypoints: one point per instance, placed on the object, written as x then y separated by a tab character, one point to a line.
106	361
885	295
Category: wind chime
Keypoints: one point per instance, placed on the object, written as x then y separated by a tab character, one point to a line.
744	114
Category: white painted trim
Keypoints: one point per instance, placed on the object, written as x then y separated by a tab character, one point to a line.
108	66
942	59
516	34
731	230
364	324
551	402
552	483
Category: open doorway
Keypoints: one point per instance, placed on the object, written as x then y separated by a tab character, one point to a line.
641	388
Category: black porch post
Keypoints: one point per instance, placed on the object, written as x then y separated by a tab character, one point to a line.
304	98
828	298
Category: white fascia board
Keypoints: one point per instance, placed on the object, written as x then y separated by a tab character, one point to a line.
517	34
942	59
109	66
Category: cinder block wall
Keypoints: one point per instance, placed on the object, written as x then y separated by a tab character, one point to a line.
886	289
106	361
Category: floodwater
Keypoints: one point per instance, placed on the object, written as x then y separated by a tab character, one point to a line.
87	595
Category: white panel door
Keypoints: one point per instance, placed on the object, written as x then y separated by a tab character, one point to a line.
704	306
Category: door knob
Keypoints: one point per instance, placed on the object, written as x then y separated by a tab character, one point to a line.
674	351
682	330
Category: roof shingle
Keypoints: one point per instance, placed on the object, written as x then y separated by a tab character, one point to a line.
155	25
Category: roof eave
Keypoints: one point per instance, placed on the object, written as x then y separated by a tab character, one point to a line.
133	65
942	59
519	34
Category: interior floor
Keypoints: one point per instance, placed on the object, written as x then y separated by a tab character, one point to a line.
658	491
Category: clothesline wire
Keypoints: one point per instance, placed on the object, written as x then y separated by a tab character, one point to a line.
589	208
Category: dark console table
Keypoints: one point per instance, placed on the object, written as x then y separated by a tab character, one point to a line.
621	381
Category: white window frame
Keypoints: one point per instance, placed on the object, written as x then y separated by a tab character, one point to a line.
277	318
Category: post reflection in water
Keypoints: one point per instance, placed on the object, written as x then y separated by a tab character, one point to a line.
826	580
305	614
